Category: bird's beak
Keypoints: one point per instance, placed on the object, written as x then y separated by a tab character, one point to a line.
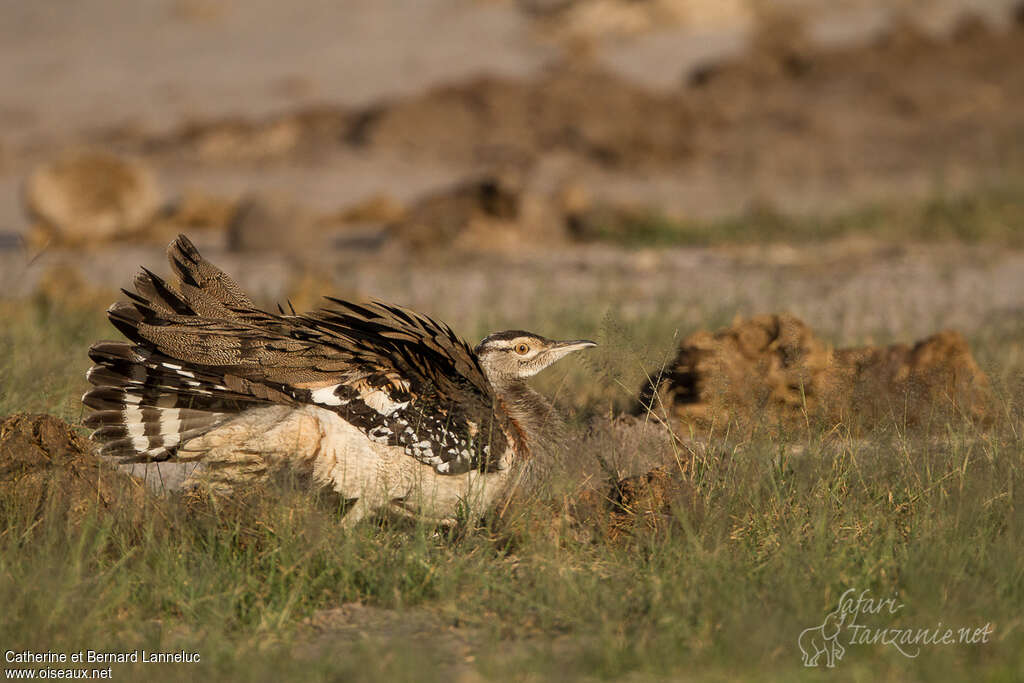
564	348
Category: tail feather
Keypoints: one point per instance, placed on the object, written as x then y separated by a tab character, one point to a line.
207	289
147	404
203	289
164	447
151	375
127	317
148	400
152	290
110	424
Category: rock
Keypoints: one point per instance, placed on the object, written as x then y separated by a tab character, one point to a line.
243	141
649	501
772	371
489	211
597	19
89	196
42	459
378	208
269	222
191	212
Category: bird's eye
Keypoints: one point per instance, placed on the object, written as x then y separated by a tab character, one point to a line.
522	349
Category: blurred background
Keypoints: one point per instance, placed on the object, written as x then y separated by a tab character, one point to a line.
822	182
627	169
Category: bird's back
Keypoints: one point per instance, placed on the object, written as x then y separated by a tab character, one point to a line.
201	354
361	395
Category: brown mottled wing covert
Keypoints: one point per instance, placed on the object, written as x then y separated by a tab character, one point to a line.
450	420
203	348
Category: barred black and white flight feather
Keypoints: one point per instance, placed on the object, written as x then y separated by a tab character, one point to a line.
201	353
377	400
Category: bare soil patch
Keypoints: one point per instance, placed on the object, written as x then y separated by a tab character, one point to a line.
789	126
43	461
904	94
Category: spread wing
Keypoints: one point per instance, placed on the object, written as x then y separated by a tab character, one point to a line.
202	348
406	380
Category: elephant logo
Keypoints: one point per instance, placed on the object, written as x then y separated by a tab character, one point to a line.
823	640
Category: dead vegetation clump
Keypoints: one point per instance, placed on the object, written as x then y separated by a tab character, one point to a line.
779	49
490	211
938	373
810	104
587	21
89	196
586	112
194	210
43	462
772	371
785	85
620	479
615	510
646	504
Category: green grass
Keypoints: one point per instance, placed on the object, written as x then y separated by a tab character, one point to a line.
770	547
763	549
991	215
43	346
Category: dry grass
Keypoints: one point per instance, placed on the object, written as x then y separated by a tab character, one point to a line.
715	582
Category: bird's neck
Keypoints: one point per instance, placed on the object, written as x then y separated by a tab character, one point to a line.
532	416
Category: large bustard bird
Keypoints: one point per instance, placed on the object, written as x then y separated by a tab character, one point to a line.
384	405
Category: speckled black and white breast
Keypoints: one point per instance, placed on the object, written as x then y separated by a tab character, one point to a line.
434	434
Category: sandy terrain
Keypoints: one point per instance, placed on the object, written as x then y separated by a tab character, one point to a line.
694	110
322	108
331	103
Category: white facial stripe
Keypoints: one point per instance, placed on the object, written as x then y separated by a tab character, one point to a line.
511	344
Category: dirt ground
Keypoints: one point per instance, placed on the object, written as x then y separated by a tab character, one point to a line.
340	148
792	125
795	116
46	463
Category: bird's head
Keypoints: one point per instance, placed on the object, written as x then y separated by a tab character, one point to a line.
515	355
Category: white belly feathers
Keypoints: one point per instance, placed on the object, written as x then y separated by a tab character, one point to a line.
317	441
